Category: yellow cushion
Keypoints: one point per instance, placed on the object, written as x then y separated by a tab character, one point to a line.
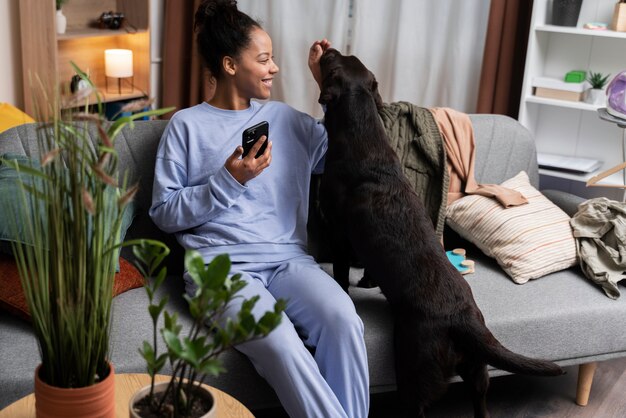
11	116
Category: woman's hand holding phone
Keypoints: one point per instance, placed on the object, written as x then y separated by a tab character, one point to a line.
248	167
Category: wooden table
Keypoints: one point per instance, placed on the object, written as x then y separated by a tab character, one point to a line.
125	386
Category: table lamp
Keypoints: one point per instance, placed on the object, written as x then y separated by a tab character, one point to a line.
118	63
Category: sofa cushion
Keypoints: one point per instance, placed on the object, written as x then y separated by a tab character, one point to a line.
528	241
11	203
504	147
12	297
11	116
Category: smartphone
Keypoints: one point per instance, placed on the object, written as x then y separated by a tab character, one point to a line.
252	134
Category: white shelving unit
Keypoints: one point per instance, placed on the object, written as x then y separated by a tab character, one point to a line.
565	127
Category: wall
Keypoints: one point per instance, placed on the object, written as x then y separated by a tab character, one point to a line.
156	50
10	54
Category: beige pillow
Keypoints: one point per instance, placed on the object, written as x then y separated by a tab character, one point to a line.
528	241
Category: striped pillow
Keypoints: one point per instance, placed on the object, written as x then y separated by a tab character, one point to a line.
528	241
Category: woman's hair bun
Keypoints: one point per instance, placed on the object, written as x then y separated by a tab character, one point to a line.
211	8
221	30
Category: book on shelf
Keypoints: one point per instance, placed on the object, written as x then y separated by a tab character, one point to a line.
553	88
570	96
569	164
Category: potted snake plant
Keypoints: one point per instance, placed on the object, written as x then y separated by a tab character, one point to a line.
193	356
67	226
596	95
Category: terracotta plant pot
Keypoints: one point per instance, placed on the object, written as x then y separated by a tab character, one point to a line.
92	401
158	388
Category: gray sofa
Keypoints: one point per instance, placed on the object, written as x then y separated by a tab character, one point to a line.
561	317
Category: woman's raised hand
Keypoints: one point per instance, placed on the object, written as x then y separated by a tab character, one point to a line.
315	53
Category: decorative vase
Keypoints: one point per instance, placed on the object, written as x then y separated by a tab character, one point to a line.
596	97
565	12
86	402
61	22
161	387
619	17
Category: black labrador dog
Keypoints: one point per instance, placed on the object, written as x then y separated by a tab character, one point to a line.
439	330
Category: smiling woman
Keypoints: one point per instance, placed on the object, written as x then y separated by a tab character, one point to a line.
257	212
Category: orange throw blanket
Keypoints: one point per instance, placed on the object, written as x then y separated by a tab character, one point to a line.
458	137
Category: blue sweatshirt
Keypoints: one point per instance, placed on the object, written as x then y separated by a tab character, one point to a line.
195	197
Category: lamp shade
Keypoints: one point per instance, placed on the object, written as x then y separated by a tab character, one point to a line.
118	63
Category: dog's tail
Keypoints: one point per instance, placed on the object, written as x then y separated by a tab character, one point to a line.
486	346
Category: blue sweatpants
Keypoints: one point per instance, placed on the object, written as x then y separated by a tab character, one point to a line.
333	382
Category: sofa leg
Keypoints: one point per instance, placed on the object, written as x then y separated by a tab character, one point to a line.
585	379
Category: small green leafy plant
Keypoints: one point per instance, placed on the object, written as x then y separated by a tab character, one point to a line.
194	356
68	231
597	80
60	3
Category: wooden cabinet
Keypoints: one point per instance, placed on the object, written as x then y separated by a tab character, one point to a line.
46	55
567	128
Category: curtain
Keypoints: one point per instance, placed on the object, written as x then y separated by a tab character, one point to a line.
184	81
293	27
504	57
422	51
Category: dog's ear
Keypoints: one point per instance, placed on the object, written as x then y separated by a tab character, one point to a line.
374	88
329	94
